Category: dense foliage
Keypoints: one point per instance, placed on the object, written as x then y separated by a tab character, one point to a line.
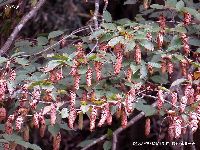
106	72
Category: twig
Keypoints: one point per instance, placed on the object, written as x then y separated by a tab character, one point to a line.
20	25
130	123
65	37
190	138
7	2
95	142
116	132
104	9
96	12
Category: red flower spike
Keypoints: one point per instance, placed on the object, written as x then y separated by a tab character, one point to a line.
36	120
183	103
138	54
189	93
119	106
160	99
89	77
163	66
177	127
162	22
149	36
109	118
174	98
2	114
19	121
6	146
150	69
93	117
53	114
72	98
124	120
170	67
187	18
74	69
160	39
43	126
77	78
104	115
129	74
12	75
98	67
118	63
8	127
130	98
56	141
147	126
72	117
184	67
193	123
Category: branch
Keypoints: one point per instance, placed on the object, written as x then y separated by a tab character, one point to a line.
96	12
20	25
130	123
7	2
116	132
95	142
65	37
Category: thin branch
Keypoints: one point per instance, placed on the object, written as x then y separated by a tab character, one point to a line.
190	138
95	142
65	37
20	25
7	2
130	123
116	132
96	13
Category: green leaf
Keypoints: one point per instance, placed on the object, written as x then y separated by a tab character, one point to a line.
134	68
54	34
107	16
11	86
84	108
147	44
193	12
130	2
107	145
171	3
109	26
96	34
116	40
161	79
143	71
85	143
194	41
42	40
64	126
179	5
129	46
82	70
22	61
54	129
123	21
157	6
17	54
155	65
180	29
52	64
3	59
178	82
22	43
147	109
64	113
